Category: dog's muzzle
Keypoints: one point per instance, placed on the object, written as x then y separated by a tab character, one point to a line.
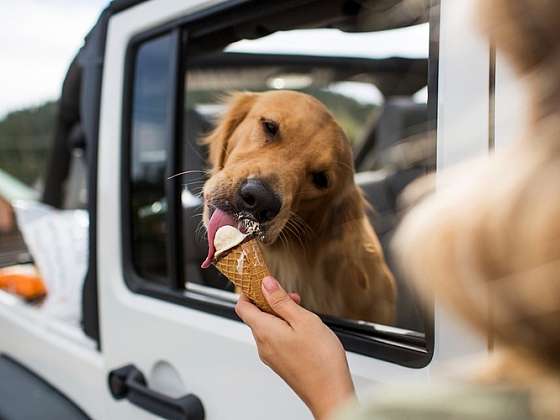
257	199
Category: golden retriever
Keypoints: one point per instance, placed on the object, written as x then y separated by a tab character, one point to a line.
280	161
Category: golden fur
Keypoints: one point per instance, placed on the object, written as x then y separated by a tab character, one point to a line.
321	244
489	245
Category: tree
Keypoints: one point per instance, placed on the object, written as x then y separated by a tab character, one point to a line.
25	139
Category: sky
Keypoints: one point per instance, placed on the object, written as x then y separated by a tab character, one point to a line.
38	39
404	42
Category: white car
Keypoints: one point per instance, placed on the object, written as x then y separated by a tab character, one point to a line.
416	89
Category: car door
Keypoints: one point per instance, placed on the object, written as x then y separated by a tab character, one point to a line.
181	335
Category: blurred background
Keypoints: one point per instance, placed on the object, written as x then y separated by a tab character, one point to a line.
38	40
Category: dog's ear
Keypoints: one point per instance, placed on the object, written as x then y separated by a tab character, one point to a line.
238	106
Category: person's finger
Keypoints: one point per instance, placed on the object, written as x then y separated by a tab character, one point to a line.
279	300
251	315
243	297
295	297
248	312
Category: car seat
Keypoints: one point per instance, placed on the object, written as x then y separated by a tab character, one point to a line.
400	119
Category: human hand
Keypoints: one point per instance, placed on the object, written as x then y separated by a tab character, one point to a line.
302	350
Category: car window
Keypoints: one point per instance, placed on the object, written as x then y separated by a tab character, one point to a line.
148	159
378	83
368	81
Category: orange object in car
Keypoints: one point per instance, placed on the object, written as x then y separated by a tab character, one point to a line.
22	280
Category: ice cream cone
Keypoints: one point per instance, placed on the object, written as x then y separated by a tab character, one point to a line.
245	267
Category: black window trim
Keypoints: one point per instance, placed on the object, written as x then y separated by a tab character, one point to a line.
397	346
173	186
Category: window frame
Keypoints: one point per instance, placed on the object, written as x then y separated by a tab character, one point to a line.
130	72
386	343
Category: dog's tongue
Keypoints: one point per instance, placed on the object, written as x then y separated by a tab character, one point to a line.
219	218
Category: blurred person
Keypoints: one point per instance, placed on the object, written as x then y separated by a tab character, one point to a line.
7	219
491	238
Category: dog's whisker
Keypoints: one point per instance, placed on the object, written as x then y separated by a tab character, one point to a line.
294	228
198	186
300	238
299	233
291	235
288	229
294	231
281	236
304	226
197	181
284	240
193	183
200	231
298	226
186	172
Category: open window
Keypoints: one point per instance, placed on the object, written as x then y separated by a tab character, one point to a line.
373	66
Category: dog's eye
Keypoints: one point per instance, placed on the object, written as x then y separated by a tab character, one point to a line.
270	127
320	179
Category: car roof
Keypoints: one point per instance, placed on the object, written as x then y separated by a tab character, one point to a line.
393	76
119	5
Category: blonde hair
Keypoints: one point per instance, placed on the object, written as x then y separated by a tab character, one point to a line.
491	240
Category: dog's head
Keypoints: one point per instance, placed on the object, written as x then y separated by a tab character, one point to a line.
279	160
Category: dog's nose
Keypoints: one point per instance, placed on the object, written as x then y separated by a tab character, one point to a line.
257	198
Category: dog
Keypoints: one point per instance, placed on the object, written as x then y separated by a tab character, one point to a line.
279	160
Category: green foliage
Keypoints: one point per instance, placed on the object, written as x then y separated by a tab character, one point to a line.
25	140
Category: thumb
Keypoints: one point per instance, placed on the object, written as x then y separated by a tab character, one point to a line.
280	302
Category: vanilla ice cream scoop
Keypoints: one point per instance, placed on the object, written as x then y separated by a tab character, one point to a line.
226	238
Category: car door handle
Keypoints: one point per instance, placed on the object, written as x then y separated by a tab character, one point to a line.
129	383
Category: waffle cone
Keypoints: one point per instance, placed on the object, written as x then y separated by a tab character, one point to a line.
245	267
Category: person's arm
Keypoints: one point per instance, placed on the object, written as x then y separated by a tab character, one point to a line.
300	349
